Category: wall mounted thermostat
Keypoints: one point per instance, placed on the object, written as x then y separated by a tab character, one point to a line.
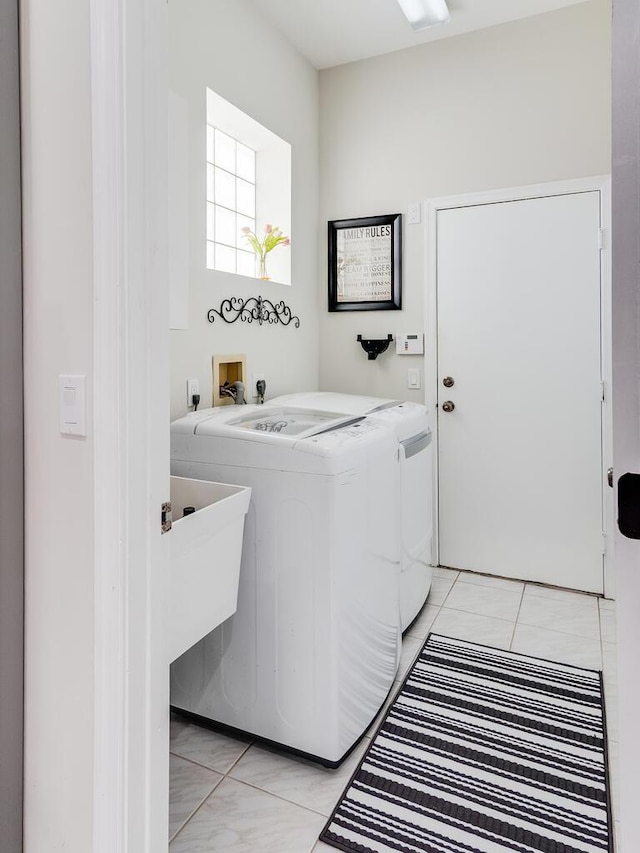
410	344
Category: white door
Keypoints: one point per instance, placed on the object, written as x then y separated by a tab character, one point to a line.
520	455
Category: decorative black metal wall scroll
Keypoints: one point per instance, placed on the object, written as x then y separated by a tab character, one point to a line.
255	308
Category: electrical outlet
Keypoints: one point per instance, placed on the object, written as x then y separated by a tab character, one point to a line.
193	387
413	213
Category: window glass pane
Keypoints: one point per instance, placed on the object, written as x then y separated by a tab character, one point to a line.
225	151
225	258
246	198
245	222
246	264
211	222
210	195
225	189
231	203
246	167
225	226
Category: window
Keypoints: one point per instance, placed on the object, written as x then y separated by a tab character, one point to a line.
231	202
248	185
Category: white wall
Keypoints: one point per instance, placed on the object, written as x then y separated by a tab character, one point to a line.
228	46
518	104
59	654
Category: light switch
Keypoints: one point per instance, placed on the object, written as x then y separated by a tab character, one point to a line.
72	404
413	377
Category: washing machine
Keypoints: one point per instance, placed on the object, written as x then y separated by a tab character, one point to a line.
311	653
411	424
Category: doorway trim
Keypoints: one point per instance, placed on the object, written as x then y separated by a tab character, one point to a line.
601	184
130	417
12	445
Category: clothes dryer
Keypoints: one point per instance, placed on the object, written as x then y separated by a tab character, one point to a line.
411	424
313	648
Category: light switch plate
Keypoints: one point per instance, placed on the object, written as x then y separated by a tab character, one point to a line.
413	378
72	400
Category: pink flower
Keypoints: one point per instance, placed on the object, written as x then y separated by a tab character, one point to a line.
246	230
286	242
268	229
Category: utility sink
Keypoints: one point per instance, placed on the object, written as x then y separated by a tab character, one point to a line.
206	547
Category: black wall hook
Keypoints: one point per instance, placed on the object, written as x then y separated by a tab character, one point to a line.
374	346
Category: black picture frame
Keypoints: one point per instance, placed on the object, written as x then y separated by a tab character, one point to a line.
365	263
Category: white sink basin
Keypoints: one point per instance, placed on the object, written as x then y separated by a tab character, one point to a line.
206	547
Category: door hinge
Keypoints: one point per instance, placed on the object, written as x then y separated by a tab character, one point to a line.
601	239
602	390
166	522
604	544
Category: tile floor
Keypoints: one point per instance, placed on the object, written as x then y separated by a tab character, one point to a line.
234	796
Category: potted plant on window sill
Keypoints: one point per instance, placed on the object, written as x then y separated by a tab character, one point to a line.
271	238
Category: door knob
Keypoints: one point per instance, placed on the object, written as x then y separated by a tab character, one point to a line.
448	381
448	406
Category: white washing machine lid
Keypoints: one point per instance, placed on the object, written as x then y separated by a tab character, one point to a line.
275	425
287	422
278	438
408	419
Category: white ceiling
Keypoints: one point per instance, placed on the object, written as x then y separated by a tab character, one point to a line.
332	32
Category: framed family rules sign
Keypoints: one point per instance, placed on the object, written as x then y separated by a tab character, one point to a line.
365	263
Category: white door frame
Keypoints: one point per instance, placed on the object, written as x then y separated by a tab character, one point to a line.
12	575
602	184
131	412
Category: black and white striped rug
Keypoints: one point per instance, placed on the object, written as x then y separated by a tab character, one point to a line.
482	751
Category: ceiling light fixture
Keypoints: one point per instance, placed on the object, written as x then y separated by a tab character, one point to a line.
425	13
